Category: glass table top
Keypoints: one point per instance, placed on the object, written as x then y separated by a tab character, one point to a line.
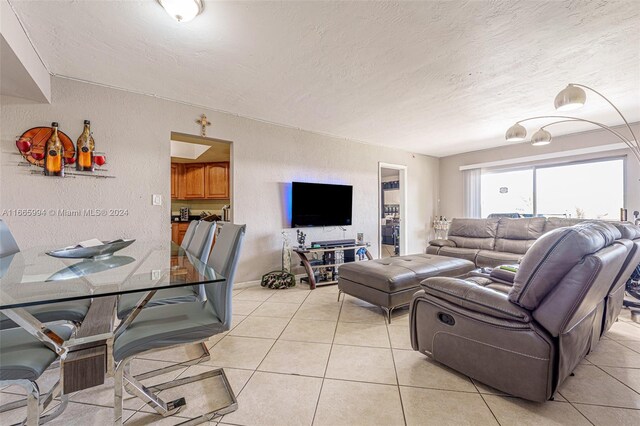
31	277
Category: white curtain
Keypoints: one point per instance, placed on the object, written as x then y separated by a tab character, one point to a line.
471	188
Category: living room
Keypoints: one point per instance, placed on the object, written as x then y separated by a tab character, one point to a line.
323	93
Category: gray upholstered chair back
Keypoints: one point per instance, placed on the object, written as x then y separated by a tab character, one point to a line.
564	279
8	245
200	244
224	259
189	234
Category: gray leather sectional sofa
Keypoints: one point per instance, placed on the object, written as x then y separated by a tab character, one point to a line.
494	242
524	333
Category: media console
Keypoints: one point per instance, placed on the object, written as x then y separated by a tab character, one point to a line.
322	261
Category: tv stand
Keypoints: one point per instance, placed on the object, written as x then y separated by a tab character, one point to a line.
322	263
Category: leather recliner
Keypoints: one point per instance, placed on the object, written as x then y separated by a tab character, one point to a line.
613	304
524	337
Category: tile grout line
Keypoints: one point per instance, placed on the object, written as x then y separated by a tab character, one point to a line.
484	400
395	369
270	348
615	378
263	358
577	409
326	367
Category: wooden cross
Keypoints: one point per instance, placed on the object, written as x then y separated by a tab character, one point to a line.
203	122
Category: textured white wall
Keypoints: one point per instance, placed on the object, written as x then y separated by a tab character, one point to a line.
134	130
451	195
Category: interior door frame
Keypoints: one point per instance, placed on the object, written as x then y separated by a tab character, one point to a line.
190	138
402	169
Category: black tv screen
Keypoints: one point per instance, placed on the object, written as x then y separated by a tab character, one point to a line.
318	204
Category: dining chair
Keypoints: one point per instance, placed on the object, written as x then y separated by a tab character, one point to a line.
176	325
189	234
8	245
200	241
74	311
23	360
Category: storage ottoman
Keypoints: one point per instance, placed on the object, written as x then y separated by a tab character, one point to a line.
391	282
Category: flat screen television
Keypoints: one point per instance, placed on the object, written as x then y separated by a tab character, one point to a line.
319	204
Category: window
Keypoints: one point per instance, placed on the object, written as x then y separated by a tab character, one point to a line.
593	190
587	190
507	192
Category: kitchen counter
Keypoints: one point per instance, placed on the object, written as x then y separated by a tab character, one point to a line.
176	218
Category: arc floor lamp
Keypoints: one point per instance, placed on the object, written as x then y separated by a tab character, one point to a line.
571	97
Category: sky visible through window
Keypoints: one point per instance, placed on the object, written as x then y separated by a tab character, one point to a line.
507	192
593	190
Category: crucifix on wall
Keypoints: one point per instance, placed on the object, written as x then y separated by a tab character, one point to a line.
203	122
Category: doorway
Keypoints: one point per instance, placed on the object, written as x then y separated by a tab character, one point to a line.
201	181
392	179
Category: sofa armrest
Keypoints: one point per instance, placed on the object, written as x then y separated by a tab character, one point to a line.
474	297
442	243
505	274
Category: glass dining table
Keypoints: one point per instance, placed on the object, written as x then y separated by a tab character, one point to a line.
31	279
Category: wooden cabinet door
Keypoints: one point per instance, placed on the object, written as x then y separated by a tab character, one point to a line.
182	229
177	181
194	181
174	233
217	181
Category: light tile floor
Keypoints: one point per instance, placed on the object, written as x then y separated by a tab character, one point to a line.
387	251
301	357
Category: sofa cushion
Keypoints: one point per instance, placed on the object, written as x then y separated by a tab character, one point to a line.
461	253
439	242
628	230
560	222
553	255
518	235
474	233
488	258
433	249
530	228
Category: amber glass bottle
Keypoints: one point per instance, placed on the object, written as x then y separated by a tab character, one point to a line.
53	154
84	149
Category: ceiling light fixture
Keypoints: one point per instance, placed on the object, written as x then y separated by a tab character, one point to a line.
182	10
541	137
571	97
516	133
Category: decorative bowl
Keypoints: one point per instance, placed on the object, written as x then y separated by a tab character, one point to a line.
95	252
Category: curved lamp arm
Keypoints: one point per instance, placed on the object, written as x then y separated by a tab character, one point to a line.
614	107
634	149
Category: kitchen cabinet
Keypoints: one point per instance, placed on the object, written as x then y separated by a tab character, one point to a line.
217	181
200	181
178	230
177	181
194	181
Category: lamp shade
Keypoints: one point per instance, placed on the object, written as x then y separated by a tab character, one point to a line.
571	97
541	137
516	133
182	10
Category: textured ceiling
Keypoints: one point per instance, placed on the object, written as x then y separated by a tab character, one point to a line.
431	77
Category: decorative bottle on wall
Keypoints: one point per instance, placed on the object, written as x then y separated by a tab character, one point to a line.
53	154
85	148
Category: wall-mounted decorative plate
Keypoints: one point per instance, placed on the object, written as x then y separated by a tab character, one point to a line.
38	137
